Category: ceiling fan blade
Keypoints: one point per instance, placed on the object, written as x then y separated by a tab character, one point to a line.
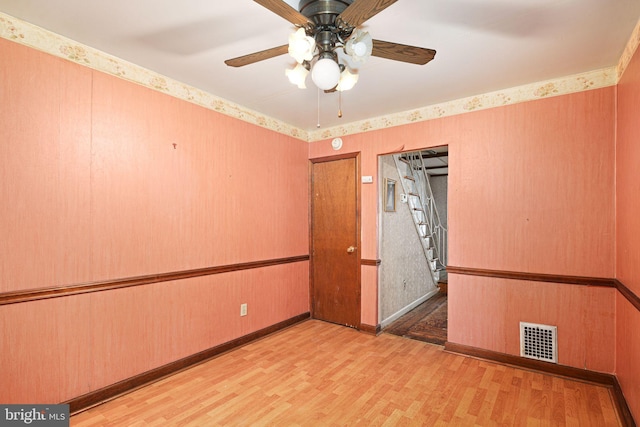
257	56
285	11
402	52
361	10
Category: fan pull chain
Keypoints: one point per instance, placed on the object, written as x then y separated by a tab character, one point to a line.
318	125
340	104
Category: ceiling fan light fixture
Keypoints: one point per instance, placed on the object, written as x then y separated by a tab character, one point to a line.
326	73
301	46
359	46
347	80
297	75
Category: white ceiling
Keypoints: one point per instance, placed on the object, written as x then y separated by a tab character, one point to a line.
482	46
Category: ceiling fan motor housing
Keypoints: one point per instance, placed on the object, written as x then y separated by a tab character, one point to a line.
323	12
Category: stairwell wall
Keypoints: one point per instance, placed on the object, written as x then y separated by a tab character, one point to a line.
439	189
405	276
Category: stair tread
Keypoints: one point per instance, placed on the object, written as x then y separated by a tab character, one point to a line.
422	208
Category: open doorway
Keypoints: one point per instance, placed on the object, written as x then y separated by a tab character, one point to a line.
413	244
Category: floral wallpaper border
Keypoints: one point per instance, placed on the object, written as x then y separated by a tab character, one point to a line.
38	38
576	83
629	51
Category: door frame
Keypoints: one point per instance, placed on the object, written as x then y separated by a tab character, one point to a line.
312	162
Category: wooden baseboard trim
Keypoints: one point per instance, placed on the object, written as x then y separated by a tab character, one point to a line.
607	380
523	362
83	288
370	329
621	405
120	388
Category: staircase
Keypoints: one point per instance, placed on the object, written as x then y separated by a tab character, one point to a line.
421	203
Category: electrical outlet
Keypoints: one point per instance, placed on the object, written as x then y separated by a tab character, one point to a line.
243	309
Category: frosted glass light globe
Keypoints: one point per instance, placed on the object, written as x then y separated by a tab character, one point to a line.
360	48
347	80
326	74
301	46
297	76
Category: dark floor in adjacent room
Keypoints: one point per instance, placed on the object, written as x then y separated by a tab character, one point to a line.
427	322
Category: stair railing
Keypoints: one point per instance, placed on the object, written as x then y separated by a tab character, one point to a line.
436	230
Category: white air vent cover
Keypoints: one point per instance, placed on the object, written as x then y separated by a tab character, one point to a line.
539	342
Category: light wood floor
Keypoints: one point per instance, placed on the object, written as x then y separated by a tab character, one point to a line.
319	374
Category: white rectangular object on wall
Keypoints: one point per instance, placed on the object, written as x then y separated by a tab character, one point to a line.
539	342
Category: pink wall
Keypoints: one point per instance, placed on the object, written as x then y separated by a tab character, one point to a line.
91	188
531	189
584	316
627	232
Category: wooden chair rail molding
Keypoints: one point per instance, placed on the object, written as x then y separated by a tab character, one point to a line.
628	294
553	278
82	288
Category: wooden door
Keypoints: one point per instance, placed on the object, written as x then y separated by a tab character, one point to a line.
335	241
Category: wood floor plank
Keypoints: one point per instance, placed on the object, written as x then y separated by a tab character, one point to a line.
316	373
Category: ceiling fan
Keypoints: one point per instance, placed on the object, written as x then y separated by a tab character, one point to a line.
323	27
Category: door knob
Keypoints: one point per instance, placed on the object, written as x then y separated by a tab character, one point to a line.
351	249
